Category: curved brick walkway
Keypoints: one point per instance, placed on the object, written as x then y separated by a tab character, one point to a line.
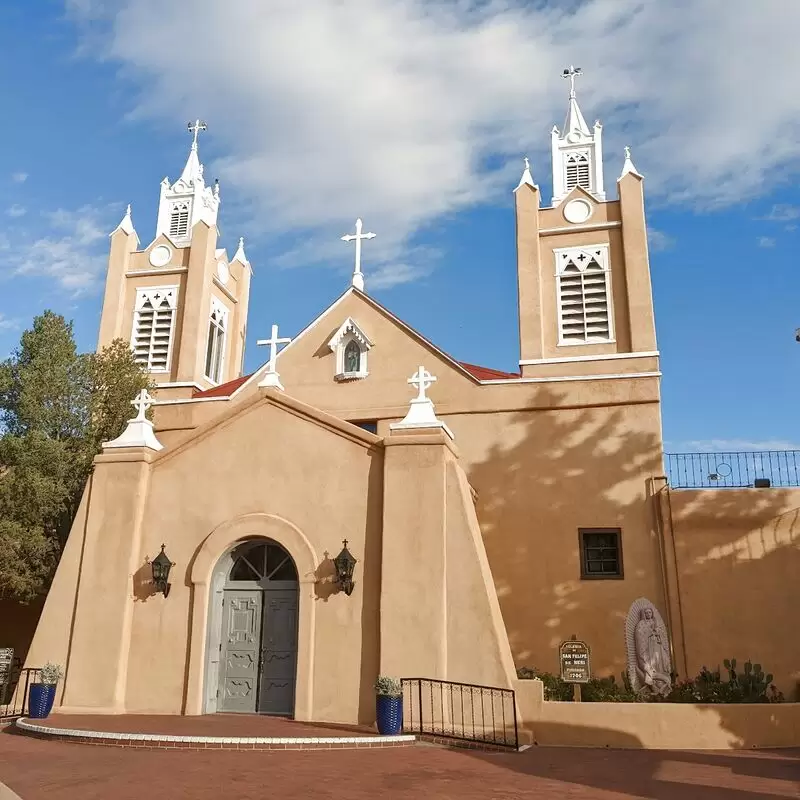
43	770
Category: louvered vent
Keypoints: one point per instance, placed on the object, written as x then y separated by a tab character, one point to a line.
578	172
179	221
583	290
152	329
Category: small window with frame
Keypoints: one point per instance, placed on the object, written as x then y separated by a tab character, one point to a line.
601	553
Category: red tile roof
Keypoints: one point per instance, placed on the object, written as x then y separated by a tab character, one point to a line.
487	374
223	390
480	373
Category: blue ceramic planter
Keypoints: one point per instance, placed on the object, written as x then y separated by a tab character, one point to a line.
40	700
389	713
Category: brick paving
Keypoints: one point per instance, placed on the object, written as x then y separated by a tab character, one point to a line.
205	725
44	770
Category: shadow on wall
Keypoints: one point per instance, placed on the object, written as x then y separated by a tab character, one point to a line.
549	472
738	555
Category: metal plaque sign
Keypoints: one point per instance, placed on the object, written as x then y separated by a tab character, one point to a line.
574	659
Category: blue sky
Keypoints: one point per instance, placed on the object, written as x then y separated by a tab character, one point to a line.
417	122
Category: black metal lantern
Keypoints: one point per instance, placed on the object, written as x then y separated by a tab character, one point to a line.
345	563
161	566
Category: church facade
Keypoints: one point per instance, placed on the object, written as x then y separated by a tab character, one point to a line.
492	515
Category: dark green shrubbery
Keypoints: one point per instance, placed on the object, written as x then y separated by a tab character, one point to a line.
751	685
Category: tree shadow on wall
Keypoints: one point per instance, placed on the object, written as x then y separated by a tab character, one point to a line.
556	469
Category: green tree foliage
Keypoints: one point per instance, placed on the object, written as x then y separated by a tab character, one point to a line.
56	409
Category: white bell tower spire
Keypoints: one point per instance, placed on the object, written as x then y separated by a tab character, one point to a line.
577	150
188	200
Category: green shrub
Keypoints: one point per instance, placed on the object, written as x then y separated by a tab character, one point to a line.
752	685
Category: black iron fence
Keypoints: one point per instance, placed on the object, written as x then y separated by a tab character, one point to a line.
757	468
14	693
460	711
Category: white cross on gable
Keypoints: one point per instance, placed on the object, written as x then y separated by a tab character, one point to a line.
422	380
273	343
142	402
358	276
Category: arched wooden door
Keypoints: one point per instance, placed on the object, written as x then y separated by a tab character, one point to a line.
258	663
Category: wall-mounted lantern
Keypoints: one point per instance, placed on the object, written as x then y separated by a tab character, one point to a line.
345	563
161	566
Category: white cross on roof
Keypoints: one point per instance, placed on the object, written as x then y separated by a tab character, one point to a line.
273	343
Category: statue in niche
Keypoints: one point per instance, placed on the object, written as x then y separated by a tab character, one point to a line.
647	644
352	357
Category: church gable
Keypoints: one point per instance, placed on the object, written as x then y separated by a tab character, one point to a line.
312	367
265	448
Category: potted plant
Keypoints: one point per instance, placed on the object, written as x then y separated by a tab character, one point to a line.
43	693
389	705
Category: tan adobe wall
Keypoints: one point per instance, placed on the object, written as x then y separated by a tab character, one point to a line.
738	561
659	726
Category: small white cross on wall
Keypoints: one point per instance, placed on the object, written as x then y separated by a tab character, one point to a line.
142	402
358	276
273	343
422	380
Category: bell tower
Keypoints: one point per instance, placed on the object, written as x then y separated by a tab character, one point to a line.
577	151
180	301
584	291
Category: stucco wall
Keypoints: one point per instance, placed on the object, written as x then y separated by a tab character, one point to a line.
661	726
541	475
264	460
738	560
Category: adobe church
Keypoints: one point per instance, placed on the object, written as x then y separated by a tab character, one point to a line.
491	515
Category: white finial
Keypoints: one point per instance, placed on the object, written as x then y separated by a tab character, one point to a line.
195	129
141	403
239	254
126	224
421	412
527	177
423	380
271	377
571	73
358	275
628	167
139	432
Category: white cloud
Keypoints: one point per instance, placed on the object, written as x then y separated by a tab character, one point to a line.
16	211
7	324
766	241
658	240
19	177
394	109
74	251
783	212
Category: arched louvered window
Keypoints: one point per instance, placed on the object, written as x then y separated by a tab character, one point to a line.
179	220
584	312
153	327
577	171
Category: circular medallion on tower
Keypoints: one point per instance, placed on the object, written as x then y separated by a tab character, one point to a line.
573	137
160	255
577	211
223	273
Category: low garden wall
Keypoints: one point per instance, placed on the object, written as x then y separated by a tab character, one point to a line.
667	726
